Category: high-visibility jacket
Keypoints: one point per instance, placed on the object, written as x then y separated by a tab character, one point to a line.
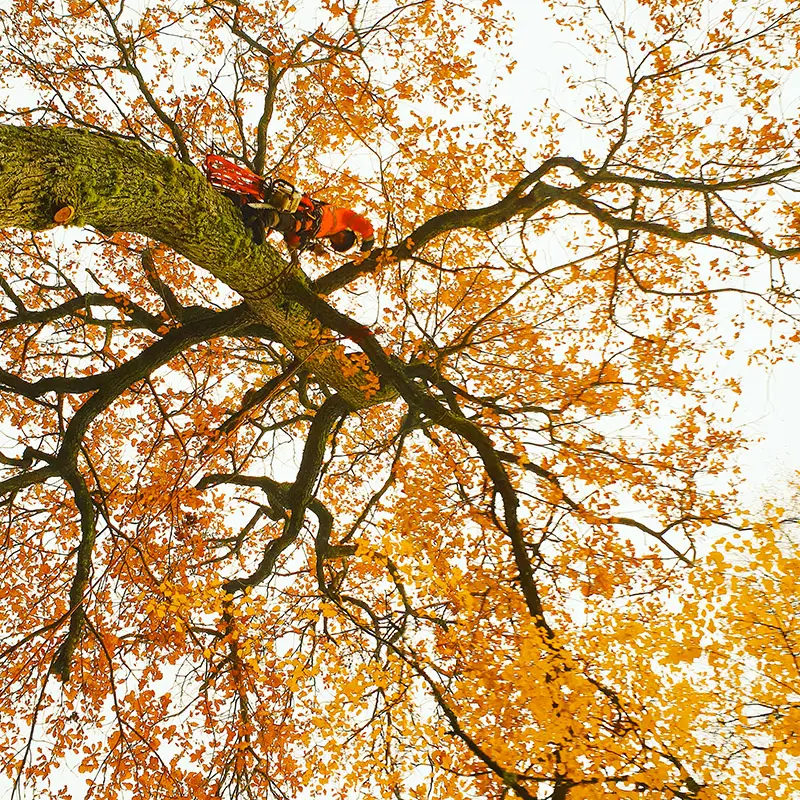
318	220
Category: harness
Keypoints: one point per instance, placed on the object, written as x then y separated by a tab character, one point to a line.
309	216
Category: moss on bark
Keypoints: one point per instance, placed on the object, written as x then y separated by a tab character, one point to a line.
115	184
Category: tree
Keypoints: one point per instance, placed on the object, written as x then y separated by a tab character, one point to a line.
436	522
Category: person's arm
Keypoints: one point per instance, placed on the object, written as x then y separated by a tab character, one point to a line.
361	226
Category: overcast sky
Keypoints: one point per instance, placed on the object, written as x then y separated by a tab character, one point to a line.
768	408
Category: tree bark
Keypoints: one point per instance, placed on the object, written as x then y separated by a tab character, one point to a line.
114	185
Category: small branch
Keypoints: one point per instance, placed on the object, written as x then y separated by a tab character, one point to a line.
172	305
128	59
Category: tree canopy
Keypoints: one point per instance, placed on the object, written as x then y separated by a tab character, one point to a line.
459	518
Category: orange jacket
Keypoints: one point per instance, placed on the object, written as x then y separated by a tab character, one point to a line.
339	219
325	220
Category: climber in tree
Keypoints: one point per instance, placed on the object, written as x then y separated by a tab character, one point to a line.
277	205
315	220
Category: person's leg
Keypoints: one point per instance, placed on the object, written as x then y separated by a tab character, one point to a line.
281	221
253	219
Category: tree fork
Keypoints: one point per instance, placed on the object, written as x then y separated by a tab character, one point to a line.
392	371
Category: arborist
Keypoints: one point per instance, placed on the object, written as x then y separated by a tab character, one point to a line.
315	220
276	204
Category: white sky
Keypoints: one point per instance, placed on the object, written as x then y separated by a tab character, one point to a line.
768	410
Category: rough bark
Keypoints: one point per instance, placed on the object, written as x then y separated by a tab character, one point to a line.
115	185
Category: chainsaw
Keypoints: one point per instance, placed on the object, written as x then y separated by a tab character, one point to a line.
226	176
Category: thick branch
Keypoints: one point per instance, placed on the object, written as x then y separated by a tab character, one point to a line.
25	479
76	304
391	371
520	200
66	464
294	497
154	356
531	195
117	185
